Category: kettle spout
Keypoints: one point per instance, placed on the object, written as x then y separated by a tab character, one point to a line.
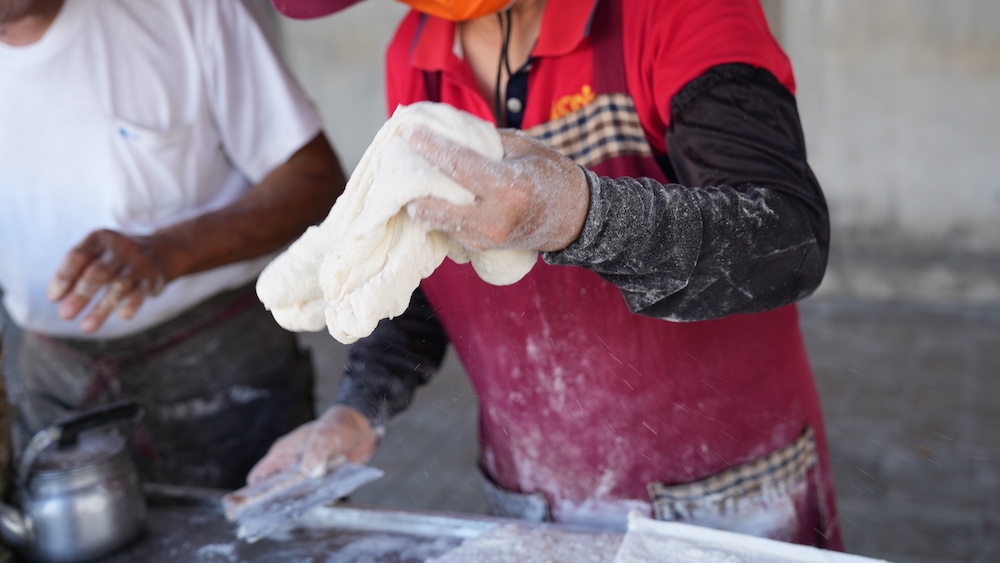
15	528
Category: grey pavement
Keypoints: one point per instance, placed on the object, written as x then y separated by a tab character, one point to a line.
911	402
911	396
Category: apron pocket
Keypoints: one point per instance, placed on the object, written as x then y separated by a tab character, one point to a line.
762	497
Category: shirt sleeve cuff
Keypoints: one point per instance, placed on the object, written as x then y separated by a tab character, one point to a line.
579	252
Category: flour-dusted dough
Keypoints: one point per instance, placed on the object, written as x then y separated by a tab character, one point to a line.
513	543
362	263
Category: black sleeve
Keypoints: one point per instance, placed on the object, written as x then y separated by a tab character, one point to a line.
744	230
384	369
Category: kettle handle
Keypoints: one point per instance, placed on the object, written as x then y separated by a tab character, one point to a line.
66	430
71	426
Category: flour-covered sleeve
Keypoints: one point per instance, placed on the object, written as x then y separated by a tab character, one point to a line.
745	228
384	369
262	114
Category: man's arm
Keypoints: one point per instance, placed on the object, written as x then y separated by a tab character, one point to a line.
294	196
128	269
384	369
744	230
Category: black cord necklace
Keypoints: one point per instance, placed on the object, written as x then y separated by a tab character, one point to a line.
503	64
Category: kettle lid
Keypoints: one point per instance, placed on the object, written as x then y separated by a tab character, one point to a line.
61	445
90	448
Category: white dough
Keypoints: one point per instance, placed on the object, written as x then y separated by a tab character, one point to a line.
362	263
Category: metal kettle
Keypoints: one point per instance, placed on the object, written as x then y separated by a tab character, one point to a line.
79	493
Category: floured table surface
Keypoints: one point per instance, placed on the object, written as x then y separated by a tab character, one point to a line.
187	534
199	531
189	525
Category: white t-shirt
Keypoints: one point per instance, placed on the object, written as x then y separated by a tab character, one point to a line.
132	115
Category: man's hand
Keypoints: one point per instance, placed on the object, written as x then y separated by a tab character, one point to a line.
125	268
339	433
534	199
128	269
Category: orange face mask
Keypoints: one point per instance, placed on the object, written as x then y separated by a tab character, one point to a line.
458	10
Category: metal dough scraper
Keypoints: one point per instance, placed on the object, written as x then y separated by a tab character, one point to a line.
280	500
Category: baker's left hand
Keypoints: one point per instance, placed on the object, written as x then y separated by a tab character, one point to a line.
533	199
114	270
341	433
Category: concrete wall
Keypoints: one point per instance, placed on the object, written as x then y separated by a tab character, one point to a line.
899	105
339	61
897	100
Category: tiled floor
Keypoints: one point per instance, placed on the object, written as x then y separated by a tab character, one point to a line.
912	402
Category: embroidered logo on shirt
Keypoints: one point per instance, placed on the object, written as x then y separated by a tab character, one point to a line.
568	104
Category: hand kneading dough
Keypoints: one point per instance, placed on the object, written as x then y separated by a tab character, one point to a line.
362	263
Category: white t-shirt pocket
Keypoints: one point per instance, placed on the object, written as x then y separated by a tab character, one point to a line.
159	174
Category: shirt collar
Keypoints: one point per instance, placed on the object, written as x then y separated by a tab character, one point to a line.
565	24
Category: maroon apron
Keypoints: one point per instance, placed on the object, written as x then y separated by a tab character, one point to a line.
600	410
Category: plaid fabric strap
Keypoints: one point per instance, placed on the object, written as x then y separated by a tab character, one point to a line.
606	128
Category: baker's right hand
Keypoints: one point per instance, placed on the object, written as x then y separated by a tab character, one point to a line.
339	433
534	199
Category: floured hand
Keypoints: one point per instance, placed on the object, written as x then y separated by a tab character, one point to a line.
127	269
341	433
535	198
